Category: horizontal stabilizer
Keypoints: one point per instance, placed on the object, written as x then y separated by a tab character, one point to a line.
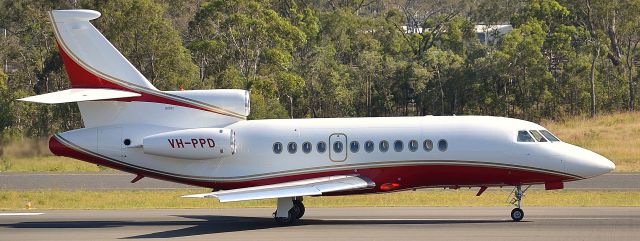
77	95
308	187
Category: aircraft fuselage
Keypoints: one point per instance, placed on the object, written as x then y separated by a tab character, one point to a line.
409	152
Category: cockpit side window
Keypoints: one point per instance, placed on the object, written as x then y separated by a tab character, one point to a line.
549	136
524	136
538	136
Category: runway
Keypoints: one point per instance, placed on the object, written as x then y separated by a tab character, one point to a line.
428	223
82	180
120	180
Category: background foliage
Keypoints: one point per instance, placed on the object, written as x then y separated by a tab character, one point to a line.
339	58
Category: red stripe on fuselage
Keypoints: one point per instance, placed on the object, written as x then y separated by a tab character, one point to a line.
406	176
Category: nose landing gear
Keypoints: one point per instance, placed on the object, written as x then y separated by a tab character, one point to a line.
517	214
289	210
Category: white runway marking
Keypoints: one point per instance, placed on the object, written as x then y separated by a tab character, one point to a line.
20	214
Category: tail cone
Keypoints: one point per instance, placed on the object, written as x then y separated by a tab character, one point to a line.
56	147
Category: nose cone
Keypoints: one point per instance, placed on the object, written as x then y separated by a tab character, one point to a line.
586	163
601	165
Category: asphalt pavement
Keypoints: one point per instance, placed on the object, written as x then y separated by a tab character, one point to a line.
412	223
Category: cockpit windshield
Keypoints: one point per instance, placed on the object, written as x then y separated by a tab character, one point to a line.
538	136
524	136
549	136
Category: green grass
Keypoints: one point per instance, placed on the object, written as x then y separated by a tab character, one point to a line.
615	136
131	199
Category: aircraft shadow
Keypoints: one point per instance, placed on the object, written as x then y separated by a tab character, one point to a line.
209	224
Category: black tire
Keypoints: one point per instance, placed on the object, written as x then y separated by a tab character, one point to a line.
299	209
517	214
291	216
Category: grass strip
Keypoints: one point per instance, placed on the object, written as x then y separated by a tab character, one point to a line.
136	199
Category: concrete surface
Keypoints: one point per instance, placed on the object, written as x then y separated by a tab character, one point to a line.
419	223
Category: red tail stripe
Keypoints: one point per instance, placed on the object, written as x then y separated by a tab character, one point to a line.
82	78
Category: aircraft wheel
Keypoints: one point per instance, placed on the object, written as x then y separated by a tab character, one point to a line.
299	209
517	214
293	215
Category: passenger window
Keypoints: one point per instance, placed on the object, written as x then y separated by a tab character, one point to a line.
306	147
549	136
538	136
384	146
292	147
338	146
398	145
442	145
413	145
277	148
427	145
354	146
368	146
524	136
322	147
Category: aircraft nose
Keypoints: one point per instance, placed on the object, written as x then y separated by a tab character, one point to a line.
587	163
601	165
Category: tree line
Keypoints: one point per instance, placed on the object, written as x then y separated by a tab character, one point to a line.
342	58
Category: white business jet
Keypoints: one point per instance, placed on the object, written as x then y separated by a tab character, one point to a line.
202	138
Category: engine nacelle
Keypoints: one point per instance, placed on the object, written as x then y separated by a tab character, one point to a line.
233	100
194	144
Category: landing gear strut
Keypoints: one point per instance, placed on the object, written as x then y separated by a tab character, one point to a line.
517	214
289	210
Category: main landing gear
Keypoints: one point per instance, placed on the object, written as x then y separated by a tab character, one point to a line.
289	210
517	214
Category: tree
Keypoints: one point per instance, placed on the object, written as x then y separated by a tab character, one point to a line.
252	38
6	117
345	58
588	17
141	32
630	34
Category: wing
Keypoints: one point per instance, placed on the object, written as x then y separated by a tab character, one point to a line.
79	94
308	187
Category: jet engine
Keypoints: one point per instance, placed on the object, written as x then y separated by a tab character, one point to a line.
194	144
233	100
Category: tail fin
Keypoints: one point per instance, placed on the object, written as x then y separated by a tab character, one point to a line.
89	58
110	91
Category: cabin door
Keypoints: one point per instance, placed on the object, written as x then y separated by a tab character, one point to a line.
338	147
